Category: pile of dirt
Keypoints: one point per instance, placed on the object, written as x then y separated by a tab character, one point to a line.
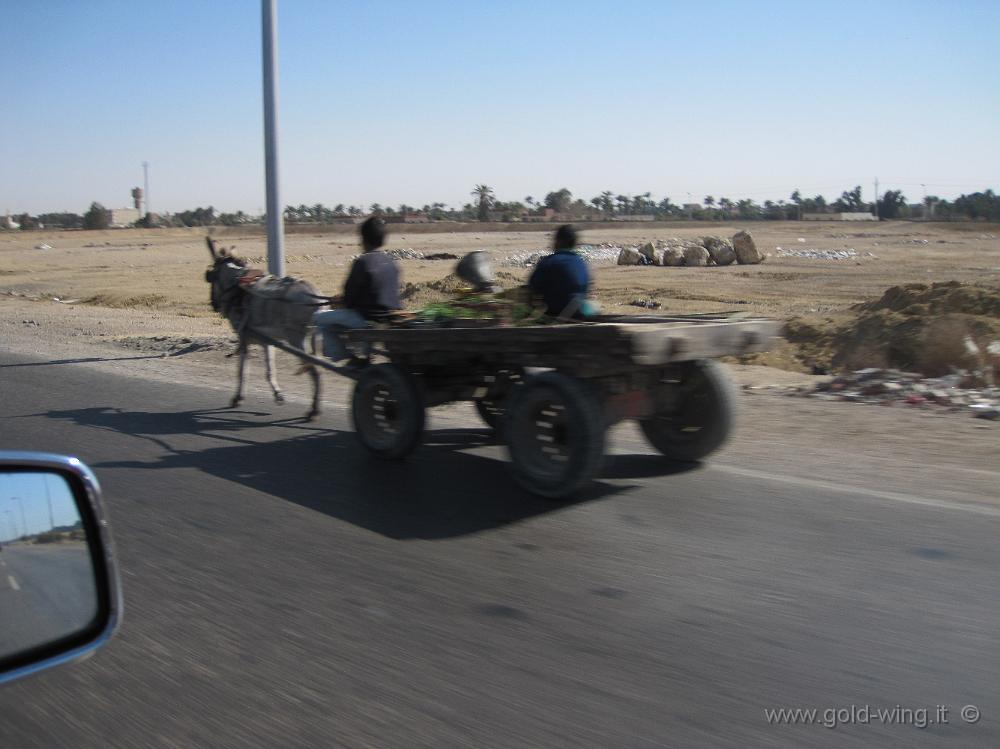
417	295
931	329
918	299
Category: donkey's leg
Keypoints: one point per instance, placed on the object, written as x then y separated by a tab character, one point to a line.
271	379
314	411
238	397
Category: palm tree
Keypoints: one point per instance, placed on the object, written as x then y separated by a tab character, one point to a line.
485	195
641	202
796	197
606	201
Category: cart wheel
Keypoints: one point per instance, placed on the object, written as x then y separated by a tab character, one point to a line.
555	431
388	411
493	408
702	418
490	411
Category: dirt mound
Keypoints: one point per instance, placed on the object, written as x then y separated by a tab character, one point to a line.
939	298
932	330
416	295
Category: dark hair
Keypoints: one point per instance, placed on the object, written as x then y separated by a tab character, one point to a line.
565	237
373	233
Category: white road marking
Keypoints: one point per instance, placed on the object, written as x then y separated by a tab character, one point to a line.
910	499
13	582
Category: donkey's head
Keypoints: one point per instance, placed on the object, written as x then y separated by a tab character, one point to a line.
224	276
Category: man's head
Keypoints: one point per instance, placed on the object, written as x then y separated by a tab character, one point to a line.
565	238
372	233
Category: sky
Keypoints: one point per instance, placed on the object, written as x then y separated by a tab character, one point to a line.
27	492
405	102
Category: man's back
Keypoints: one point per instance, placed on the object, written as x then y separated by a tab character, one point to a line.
372	287
560	278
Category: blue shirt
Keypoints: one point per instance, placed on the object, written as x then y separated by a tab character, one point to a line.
560	278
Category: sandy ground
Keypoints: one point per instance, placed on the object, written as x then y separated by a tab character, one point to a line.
163	270
148	314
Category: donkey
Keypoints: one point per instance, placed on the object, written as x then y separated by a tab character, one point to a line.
281	308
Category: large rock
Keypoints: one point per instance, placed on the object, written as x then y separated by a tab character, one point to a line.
745	249
672	256
721	250
648	251
628	256
695	255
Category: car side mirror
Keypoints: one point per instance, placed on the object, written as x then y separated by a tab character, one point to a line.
60	597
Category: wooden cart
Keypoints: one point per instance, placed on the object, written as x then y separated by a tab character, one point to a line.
551	391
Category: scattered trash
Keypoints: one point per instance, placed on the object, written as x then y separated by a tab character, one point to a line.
405	254
606	254
645	303
985	411
43	246
812	254
955	392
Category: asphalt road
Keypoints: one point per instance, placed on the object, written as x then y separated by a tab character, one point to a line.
46	592
284	590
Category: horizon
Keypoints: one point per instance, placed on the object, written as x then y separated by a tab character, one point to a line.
729	101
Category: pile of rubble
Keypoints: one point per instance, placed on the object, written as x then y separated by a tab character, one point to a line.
408	253
598	254
702	252
849	254
958	392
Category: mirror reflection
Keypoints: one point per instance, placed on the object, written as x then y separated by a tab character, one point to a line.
47	588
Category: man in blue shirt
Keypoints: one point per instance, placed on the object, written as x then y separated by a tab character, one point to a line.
562	279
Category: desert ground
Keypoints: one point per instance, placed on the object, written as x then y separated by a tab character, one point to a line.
145	289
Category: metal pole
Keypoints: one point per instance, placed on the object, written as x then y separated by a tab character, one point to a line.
48	499
24	520
275	213
145	184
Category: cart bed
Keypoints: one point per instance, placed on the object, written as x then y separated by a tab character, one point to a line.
602	346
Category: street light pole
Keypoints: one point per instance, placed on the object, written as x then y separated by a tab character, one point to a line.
24	520
275	213
48	499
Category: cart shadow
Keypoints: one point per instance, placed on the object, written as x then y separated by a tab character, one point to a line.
457	483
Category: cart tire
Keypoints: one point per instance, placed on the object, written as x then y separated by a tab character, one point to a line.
555	432
388	411
701	421
493	410
490	411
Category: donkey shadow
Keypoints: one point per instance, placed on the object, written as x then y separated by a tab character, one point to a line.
440	491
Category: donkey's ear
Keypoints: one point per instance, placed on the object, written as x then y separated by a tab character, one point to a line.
211	248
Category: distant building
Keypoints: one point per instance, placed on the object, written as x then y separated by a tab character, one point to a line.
122	217
865	216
